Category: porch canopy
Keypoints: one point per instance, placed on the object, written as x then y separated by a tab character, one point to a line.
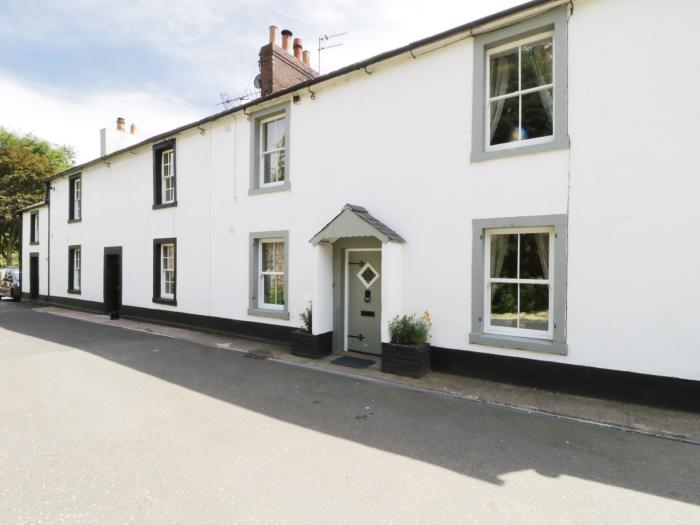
355	221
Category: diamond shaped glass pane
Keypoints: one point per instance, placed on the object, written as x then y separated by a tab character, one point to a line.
367	275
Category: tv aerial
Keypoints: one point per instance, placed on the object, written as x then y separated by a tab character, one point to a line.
328	42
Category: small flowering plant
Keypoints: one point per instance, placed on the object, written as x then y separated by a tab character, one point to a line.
410	329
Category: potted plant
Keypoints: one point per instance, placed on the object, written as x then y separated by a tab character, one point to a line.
305	343
408	353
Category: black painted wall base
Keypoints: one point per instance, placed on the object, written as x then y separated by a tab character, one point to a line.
304	344
680	394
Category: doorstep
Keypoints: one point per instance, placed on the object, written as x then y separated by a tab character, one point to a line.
661	422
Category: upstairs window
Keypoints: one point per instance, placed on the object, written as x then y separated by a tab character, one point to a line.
269	170
75	198
164	175
34	228
520	88
273	145
74	269
521	92
165	271
167	177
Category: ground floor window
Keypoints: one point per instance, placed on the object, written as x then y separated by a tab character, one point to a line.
519	283
74	269
165	271
269	274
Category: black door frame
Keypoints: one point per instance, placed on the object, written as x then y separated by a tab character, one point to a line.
34	279
112	250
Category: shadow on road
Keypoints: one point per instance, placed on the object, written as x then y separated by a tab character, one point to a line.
482	442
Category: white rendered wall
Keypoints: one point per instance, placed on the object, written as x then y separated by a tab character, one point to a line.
398	143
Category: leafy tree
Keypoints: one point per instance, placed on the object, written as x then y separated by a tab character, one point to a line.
25	163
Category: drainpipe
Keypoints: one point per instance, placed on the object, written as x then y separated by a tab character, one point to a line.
48	241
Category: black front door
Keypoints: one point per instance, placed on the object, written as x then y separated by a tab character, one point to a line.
34	276
112	280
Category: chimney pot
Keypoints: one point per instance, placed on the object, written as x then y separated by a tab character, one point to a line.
273	35
297	48
120	123
286	37
132	129
306	57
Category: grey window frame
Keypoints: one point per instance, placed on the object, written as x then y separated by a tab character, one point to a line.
255	120
554	20
253	281
478	335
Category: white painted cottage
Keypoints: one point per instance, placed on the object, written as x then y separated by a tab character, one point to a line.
530	178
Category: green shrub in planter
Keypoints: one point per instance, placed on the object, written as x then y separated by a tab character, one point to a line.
408	353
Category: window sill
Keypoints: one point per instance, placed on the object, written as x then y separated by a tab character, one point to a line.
75	292
519	343
275	314
558	143
166	205
269	189
71	221
169	302
34	243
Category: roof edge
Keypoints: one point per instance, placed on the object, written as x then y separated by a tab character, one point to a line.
408	48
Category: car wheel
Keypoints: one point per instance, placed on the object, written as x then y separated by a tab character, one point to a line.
15	295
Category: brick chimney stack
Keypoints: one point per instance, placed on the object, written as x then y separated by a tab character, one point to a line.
282	67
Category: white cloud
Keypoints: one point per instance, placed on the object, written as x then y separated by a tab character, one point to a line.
204	48
75	120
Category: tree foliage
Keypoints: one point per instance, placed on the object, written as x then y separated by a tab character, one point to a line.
25	163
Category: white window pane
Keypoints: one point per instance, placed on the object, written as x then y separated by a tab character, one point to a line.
273	167
536	65
504	304
503	68
279	257
534	307
268	257
280	290
274	135
537	117
504	256
534	256
505	119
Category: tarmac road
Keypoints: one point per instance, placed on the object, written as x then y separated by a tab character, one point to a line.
104	425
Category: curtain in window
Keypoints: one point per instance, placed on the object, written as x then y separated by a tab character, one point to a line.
533	61
543	251
504	71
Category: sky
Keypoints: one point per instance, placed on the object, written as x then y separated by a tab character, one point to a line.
70	67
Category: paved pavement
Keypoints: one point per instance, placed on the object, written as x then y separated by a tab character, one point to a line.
104	425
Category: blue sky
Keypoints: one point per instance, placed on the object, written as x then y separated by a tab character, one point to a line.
70	67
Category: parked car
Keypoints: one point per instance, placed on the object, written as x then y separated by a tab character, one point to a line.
9	283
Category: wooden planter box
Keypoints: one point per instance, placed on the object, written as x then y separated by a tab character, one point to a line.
406	360
305	344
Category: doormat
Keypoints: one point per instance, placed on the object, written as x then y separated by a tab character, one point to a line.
352	362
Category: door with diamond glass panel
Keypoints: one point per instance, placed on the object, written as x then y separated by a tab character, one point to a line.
364	301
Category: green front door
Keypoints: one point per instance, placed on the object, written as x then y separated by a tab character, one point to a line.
364	290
